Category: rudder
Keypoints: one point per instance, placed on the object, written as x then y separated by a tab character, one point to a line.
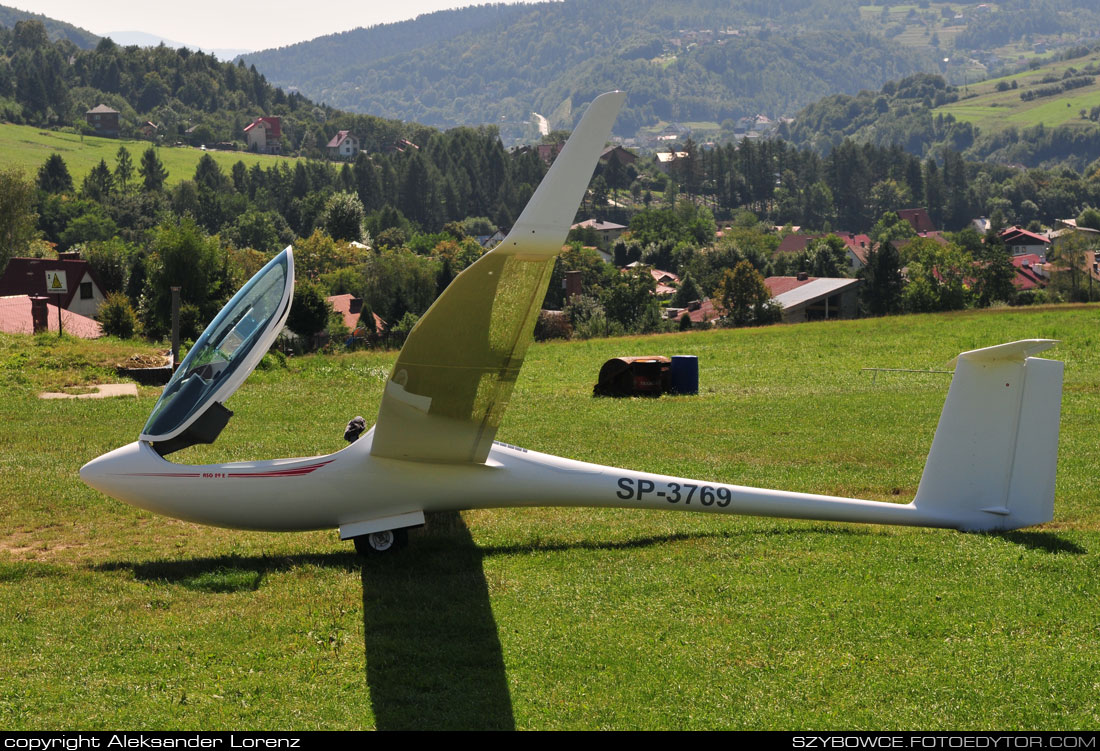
994	456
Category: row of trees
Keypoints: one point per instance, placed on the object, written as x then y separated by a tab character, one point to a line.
854	184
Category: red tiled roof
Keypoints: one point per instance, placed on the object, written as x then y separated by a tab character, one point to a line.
1014	235
27	276
598	224
1030	259
272	124
1026	278
663	276
15	318
918	218
339	138
777	285
342	304
705	312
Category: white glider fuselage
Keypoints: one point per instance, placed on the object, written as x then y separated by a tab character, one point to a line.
353	487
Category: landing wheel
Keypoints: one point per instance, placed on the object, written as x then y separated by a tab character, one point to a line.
377	543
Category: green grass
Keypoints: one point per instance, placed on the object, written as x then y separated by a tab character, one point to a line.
29	147
992	110
568	618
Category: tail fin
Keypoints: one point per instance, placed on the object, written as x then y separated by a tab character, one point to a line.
993	459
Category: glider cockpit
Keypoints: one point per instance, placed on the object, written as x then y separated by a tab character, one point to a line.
190	409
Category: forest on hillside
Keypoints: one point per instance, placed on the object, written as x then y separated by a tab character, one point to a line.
191	96
56	29
680	60
903	113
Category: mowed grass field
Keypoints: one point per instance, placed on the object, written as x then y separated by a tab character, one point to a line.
29	147
993	110
565	618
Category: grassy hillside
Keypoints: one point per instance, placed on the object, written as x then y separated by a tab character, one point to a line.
992	110
28	147
567	618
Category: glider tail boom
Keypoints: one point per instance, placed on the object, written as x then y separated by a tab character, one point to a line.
993	459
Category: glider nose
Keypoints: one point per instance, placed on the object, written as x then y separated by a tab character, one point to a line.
108	473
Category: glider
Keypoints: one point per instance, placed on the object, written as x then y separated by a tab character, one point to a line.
991	467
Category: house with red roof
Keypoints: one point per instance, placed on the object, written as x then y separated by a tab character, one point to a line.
701	312
1031	272
1020	241
28	276
343	146
918	219
811	298
350	308
264	135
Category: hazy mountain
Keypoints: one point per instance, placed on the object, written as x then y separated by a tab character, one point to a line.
142	39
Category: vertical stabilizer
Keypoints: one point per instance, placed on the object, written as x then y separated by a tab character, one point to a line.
993	459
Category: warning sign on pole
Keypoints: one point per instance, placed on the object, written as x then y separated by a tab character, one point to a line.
56	284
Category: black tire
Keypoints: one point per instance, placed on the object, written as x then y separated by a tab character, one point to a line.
380	543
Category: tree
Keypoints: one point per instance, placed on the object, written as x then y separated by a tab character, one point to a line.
98	183
255	229
124	169
209	175
827	257
744	296
17	215
342	217
54	177
152	171
938	277
1069	256
891	228
110	260
629	301
882	281
117	316
309	310
185	257
993	270
687	292
1089	218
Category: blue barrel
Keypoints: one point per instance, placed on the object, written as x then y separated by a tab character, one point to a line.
685	374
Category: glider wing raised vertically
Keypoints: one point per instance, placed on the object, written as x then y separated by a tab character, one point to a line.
452	381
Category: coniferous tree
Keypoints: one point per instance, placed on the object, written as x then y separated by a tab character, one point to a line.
152	171
98	183
882	280
124	169
54	177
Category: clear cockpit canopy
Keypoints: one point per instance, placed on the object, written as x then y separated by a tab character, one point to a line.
227	352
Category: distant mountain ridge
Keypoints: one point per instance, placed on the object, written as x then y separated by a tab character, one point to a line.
680	60
143	39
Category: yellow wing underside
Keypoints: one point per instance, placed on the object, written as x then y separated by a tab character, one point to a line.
450	387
